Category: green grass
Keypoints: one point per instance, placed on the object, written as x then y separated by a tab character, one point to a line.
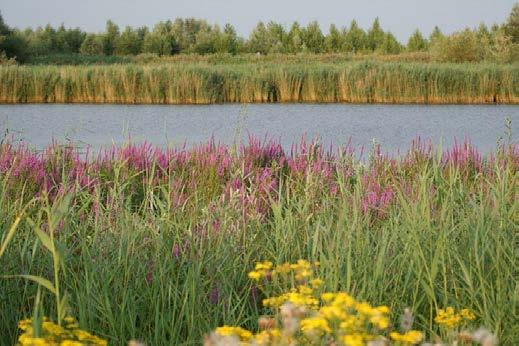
78	59
447	238
204	81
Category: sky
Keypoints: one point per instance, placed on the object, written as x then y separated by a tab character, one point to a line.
401	17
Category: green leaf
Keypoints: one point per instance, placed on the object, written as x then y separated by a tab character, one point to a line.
10	235
44	238
38	279
63	305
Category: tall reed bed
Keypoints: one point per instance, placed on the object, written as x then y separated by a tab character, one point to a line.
156	244
202	83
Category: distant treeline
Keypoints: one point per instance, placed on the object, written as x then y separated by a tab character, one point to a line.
198	83
499	43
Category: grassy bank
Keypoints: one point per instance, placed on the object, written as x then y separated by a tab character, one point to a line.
205	82
157	244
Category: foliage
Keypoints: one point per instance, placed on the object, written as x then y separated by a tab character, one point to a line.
458	47
313	38
195	36
375	36
92	45
110	38
160	41
129	42
390	45
417	42
355	38
303	313
156	242
512	25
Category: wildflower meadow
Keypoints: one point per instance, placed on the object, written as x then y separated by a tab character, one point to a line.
255	244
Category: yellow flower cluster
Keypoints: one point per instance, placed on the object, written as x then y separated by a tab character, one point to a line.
243	334
315	324
53	334
302	270
262	270
355	322
412	337
449	318
228	335
302	296
306	315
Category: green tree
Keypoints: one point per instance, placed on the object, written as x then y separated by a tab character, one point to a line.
294	40
417	42
355	38
390	45
313	38
502	49
128	43
459	47
334	41
74	38
61	42
436	35
486	41
259	39
228	40
206	40
12	42
276	37
161	40
110	38
483	33
40	41
376	36
512	25
92	45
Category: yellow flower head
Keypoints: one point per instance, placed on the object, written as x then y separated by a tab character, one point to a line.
412	337
317	325
254	275
241	333
353	340
316	283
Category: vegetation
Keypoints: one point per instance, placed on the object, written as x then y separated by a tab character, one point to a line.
304	314
500	43
157	244
201	83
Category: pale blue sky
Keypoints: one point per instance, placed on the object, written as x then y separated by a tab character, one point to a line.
401	17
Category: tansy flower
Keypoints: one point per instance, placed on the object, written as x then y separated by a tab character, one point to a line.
467	314
243	334
315	325
254	275
412	337
353	340
316	283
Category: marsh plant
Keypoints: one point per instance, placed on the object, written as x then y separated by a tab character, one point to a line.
303	313
272	81
152	244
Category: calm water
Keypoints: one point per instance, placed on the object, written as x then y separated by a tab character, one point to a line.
394	126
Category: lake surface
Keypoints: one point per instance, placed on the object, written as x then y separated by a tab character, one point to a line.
393	126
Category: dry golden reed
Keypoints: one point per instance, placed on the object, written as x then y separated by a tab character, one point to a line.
202	83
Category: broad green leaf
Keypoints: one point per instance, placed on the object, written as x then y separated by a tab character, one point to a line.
38	279
44	238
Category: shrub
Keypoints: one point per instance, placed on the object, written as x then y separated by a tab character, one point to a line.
458	47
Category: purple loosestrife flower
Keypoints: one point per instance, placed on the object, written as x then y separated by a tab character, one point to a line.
175	251
214	295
